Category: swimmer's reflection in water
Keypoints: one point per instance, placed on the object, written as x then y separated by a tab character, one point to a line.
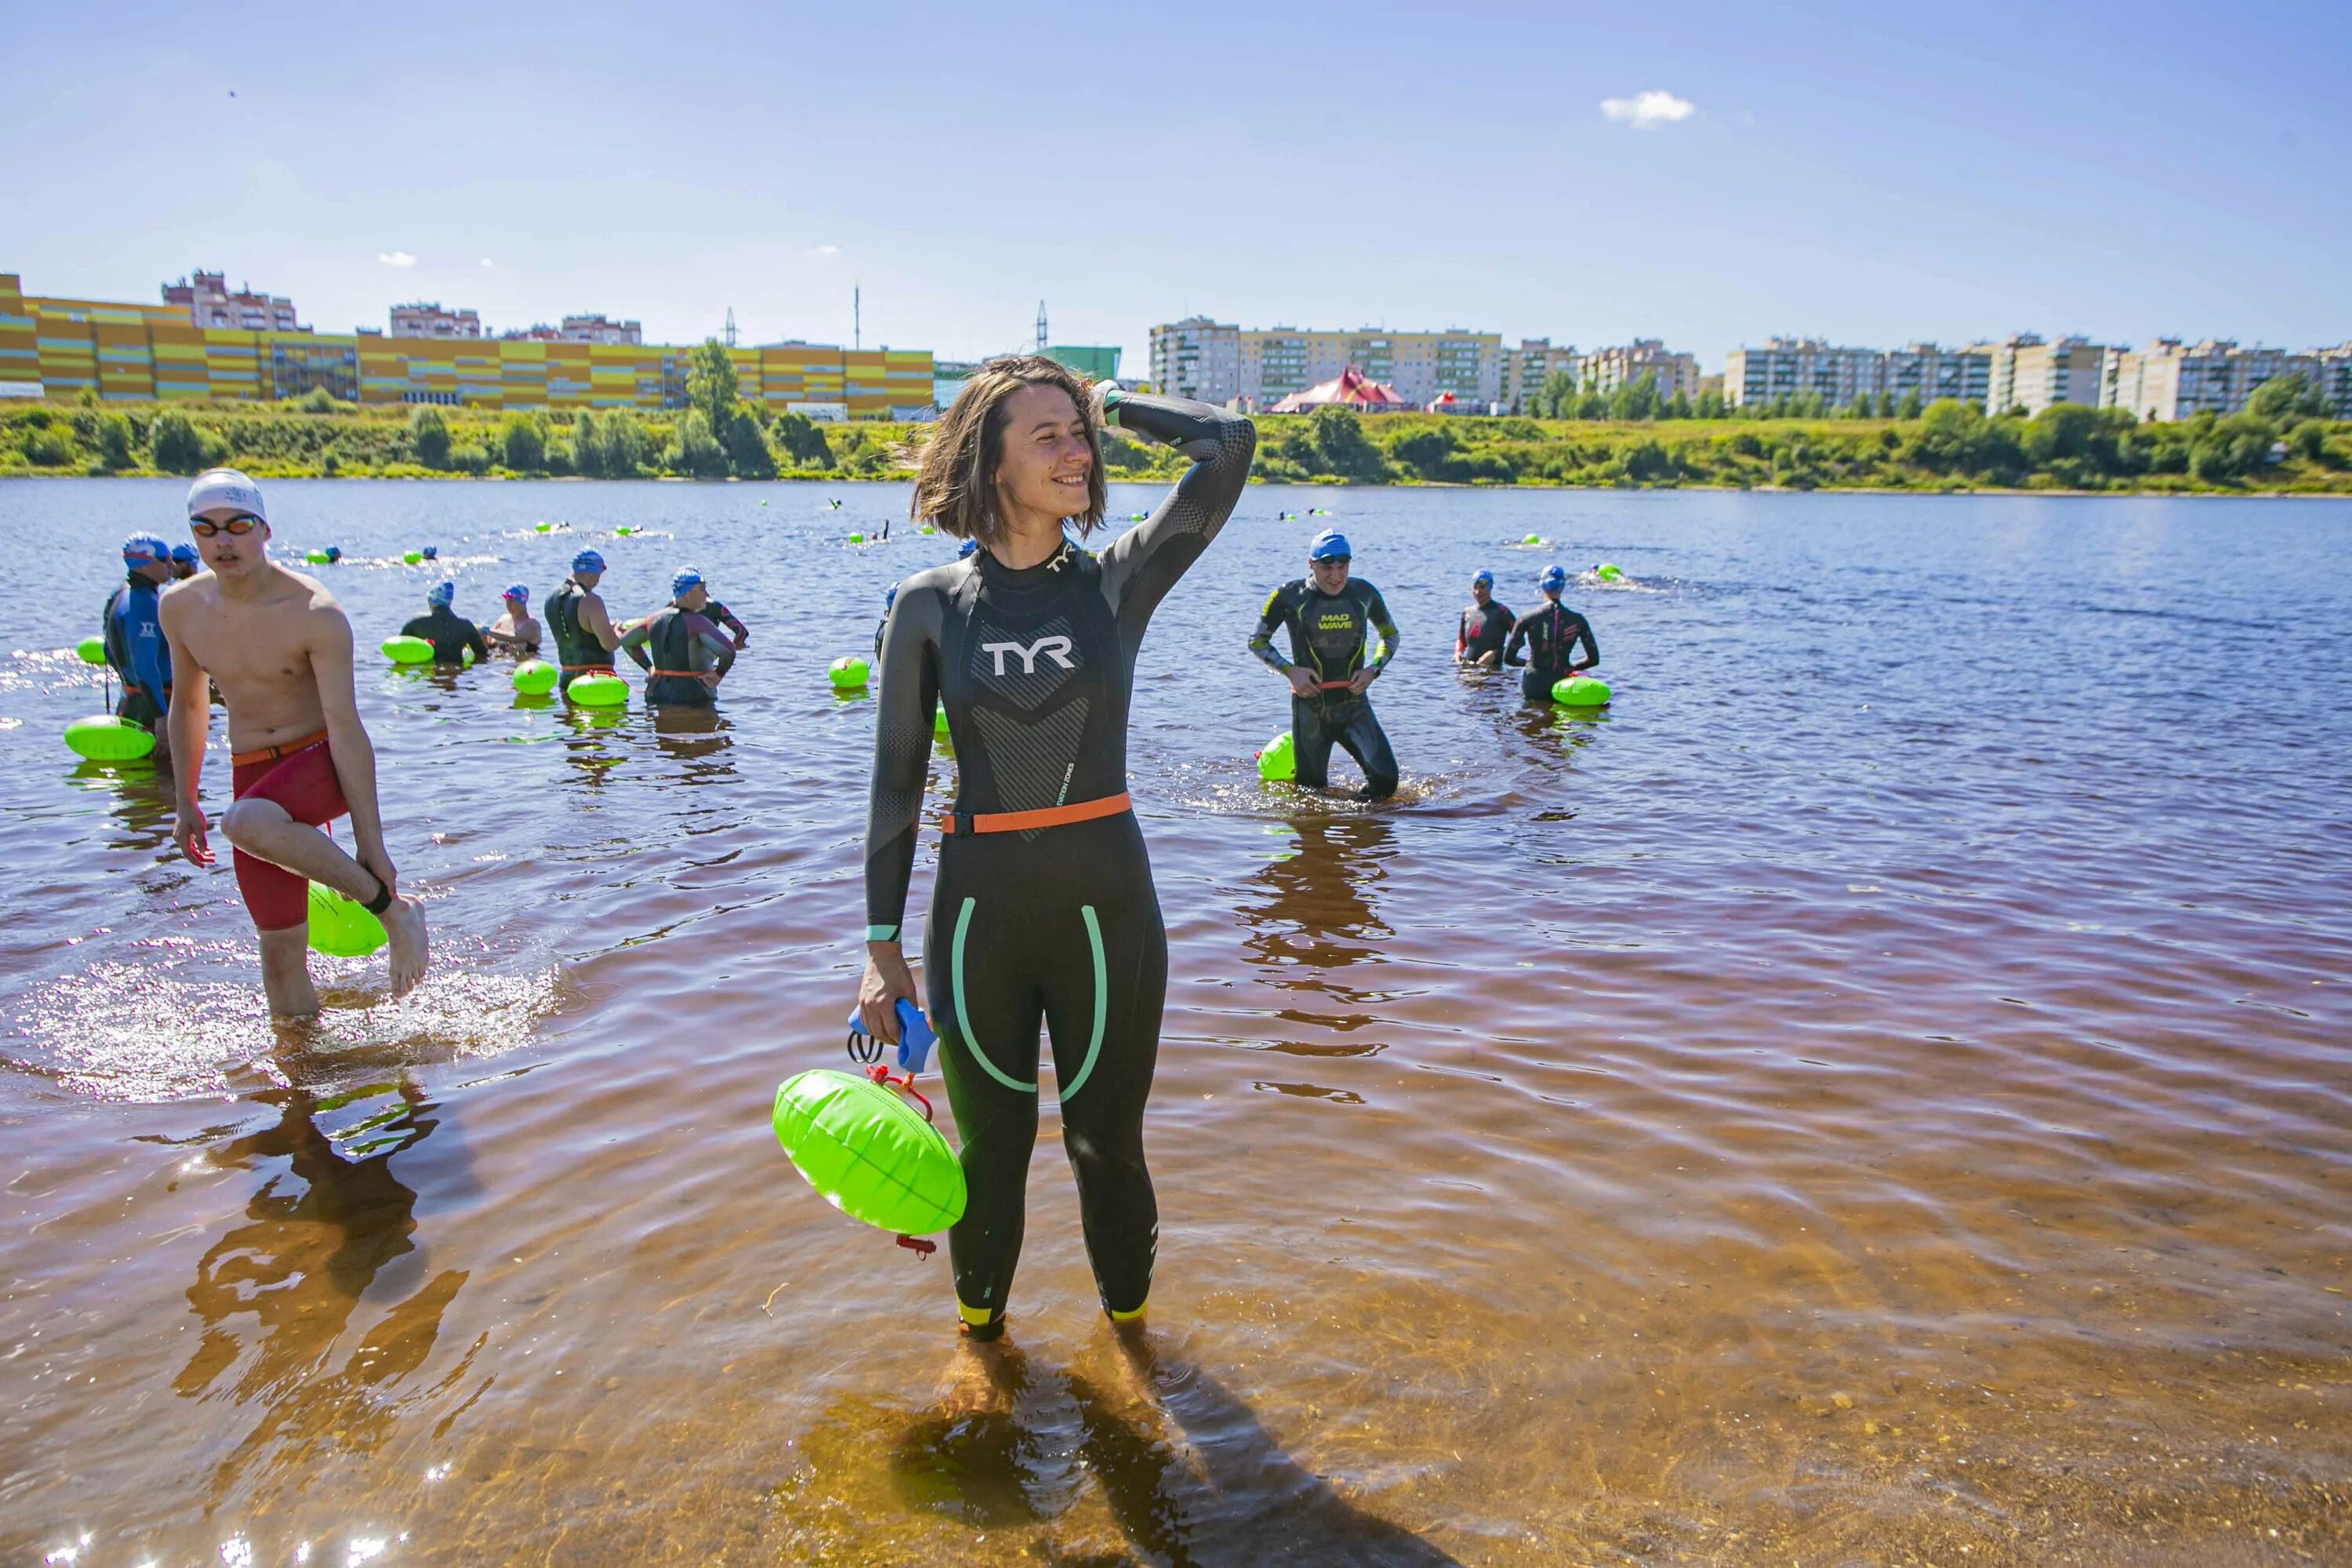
1189	1473
1318	908
695	736
316	1238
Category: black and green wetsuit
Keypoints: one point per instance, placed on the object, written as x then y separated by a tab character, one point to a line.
1058	923
575	645
677	647
1330	635
1548	637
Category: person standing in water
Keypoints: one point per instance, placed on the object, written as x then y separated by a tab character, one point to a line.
132	630
1044	908
277	645
1549	637
184	563
1484	627
685	654
452	636
514	631
585	636
1332	619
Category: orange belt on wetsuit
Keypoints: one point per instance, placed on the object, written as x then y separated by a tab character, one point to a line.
584	669
271	753
678	674
967	822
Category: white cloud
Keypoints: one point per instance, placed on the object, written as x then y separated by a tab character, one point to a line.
486	261
1645	109
397	258
825	250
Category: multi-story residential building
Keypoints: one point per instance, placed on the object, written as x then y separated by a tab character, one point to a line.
1533	362
2336	379
423	319
1198	358
2029	374
1257	368
1936	374
599	329
2165	381
1801	367
1606	370
207	302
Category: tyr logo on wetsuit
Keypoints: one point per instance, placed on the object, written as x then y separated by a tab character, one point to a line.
1056	649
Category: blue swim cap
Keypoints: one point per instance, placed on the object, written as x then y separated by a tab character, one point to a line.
687	581
1330	546
518	592
587	560
1554	579
889	597
183	553
1483	575
433	552
441	592
334	553
965	548
141	548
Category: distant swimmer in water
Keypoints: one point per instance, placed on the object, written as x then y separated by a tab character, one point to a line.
1485	625
1332	619
131	628
515	631
184	563
277	645
685	655
582	627
452	636
1044	907
1550	637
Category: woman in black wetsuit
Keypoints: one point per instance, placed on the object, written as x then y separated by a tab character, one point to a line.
1044	908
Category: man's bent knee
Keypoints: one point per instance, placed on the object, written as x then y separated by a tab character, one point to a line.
244	818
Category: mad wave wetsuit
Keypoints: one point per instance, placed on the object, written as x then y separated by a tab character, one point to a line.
575	645
133	633
1329	635
1550	637
1057	922
676	648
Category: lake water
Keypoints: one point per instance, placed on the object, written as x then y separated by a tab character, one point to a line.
1878	1094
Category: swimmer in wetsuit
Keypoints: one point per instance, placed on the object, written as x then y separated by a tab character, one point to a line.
685	654
184	563
280	650
582	627
1550	637
1484	625
133	633
1044	907
452	636
1332	618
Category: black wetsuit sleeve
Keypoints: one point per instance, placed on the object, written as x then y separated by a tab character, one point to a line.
1513	650
475	640
1580	630
1376	610
1141	565
1278	610
902	754
634	644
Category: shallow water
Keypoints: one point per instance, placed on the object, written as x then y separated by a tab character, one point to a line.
1878	1094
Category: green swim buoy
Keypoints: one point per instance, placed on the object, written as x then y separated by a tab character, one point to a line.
318	558
408	650
1532	538
543	527
1581	691
598	690
341	927
623	533
412	557
1607	572
926	528
103	738
857	539
92	650
940	721
1278	764
867	1152
535	677
848	673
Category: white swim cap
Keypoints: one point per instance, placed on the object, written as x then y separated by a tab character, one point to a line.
219	487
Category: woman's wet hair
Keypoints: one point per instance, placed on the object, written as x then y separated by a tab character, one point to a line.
955	489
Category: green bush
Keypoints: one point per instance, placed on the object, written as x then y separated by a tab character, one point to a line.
428	437
524	443
173	443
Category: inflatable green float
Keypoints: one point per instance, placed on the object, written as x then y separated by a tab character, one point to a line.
598	690
1581	691
341	927
408	650
868	1153
91	649
103	738
535	677
848	674
1278	764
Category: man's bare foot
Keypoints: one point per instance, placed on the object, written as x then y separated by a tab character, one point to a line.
403	923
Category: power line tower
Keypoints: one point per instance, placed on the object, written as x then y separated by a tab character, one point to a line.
730	326
856	318
1041	326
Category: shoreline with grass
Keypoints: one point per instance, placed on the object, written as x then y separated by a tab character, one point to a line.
1949	447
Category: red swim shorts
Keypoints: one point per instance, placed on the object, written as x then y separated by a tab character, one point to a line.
304	783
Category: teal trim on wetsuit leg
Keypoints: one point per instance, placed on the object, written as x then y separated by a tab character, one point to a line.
1102	1008
881	933
963	1013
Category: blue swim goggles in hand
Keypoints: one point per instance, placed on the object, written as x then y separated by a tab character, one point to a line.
915	1039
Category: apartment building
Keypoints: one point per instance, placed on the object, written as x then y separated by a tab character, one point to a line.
1936	374
1801	367
1606	370
1533	362
2166	380
2029	374
1199	359
423	320
209	302
1254	368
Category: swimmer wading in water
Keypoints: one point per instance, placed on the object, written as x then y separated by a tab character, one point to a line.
1044	907
277	645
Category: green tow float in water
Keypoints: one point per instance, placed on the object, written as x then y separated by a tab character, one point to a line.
535	677
92	650
408	650
1581	691
596	690
341	927
103	738
849	673
1278	764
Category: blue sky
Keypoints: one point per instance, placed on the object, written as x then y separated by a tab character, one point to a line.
1871	173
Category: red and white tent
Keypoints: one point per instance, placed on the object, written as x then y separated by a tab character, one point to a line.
1352	389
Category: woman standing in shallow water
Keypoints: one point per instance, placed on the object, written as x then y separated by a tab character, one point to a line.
1044	910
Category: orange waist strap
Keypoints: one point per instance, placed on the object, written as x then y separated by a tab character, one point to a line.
680	674
1022	821
584	669
271	753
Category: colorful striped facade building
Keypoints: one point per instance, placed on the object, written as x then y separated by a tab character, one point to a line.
59	348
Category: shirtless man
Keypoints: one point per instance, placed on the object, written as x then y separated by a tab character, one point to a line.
515	631
278	647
